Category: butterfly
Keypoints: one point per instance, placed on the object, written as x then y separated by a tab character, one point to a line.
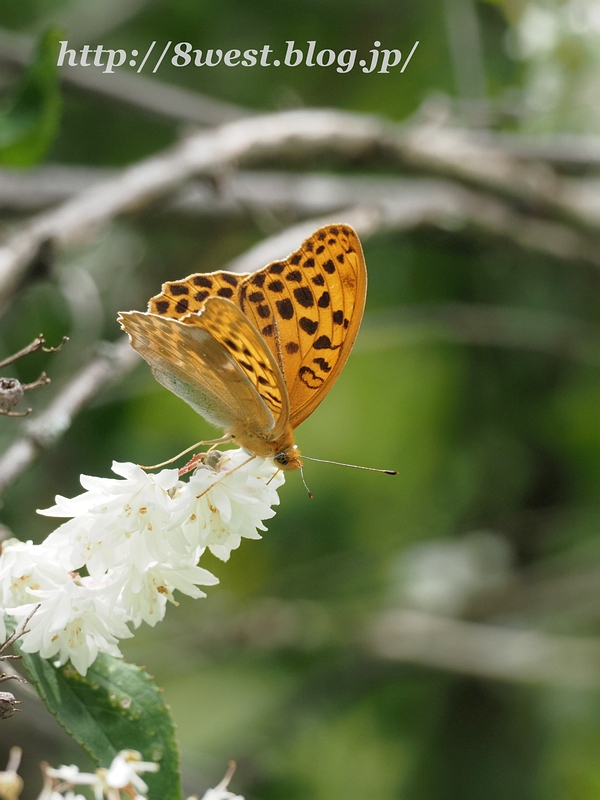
256	353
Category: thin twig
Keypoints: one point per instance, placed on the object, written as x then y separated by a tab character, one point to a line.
47	427
37	344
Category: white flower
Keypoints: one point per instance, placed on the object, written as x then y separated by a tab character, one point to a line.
73	621
140	538
220	792
11	784
216	511
125	770
25	567
110	513
123	773
143	593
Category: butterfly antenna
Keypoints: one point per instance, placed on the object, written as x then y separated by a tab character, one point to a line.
310	494
354	466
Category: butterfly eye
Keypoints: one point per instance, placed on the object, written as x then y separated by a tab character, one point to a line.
282	459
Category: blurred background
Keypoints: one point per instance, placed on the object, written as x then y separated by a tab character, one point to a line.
432	636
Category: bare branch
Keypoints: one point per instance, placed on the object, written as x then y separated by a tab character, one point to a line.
458	154
21	631
347	134
563	149
37	344
43	380
114	362
521	656
309	132
399	203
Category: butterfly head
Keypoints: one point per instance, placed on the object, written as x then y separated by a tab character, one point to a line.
289	458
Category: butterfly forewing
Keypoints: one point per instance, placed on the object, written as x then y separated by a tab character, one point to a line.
193	362
307	308
179	298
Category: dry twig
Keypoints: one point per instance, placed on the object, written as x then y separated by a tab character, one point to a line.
42	431
11	389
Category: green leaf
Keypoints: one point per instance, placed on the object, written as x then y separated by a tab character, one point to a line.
30	118
116	706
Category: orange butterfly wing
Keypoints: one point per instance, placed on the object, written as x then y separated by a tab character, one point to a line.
308	308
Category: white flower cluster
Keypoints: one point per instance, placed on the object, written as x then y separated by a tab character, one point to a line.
138	539
123	775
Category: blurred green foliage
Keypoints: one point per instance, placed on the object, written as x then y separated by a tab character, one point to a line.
30	118
484	438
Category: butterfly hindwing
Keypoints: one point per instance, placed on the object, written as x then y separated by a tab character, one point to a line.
226	323
190	361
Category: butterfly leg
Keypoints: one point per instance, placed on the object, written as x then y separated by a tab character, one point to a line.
225	474
274	475
215	442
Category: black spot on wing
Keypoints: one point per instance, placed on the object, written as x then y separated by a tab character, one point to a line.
200	297
225	291
292	347
162	306
285	308
323	364
178	289
304	296
324	343
202	280
182	306
329	267
308	325
309	377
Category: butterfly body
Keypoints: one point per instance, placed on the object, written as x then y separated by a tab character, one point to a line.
255	354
